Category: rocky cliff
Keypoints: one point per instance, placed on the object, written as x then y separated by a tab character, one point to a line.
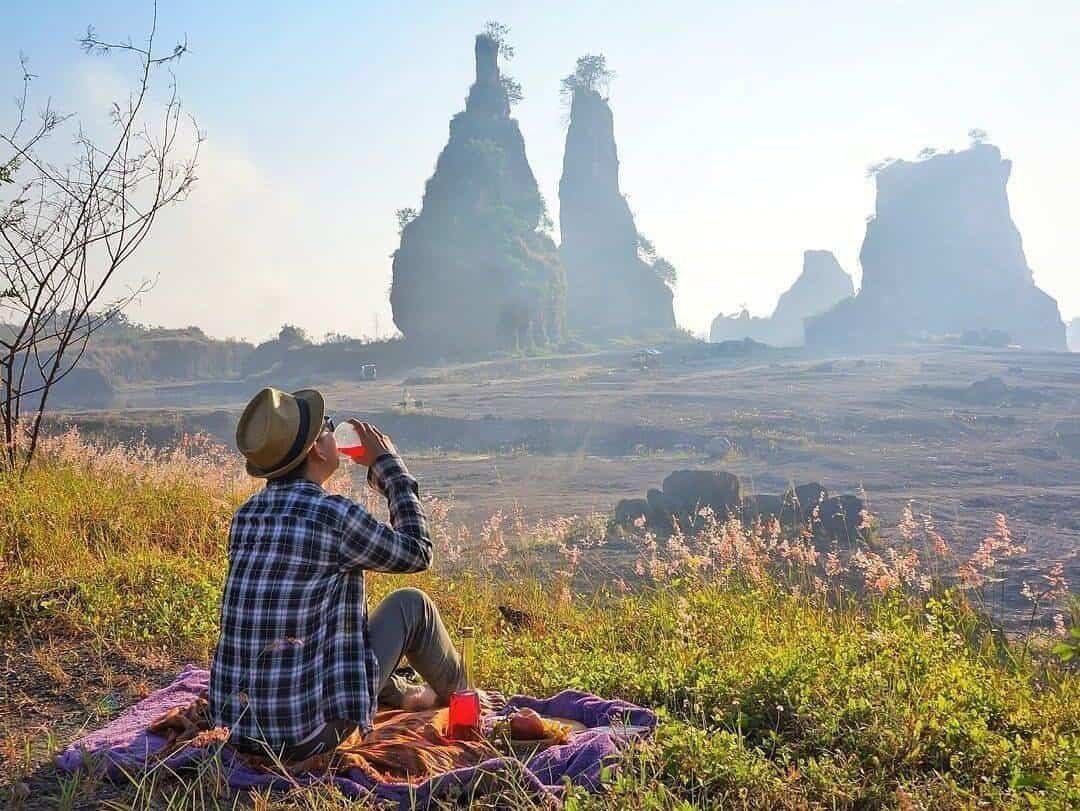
1072	334
942	256
611	291
821	285
473	271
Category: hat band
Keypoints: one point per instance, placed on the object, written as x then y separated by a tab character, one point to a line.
301	434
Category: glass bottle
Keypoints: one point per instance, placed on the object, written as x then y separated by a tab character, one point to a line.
463	722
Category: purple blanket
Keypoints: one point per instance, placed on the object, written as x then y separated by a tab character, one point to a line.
125	747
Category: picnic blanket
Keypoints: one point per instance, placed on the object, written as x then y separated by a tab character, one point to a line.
406	758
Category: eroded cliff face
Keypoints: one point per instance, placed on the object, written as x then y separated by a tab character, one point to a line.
473	271
1072	335
942	256
611	291
821	284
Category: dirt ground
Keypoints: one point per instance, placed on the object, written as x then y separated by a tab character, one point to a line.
54	689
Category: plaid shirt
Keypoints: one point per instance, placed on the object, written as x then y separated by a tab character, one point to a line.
293	649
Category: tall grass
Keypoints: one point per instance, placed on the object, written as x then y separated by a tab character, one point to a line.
785	677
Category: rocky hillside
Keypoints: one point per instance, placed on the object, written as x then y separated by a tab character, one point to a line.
473	271
611	290
942	256
821	285
165	354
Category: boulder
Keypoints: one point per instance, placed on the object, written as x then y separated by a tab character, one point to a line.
630	510
763	507
687	491
718	447
799	503
839	519
661	511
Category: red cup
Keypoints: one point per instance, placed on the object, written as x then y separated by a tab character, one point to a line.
463	721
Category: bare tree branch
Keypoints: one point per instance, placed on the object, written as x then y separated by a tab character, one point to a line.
66	230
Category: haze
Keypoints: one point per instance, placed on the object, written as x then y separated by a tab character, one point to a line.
744	132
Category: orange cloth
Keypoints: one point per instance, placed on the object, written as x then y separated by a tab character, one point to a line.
403	747
409	747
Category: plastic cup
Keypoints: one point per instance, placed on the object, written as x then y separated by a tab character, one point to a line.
348	441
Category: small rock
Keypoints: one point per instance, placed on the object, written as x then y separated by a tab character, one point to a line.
718	447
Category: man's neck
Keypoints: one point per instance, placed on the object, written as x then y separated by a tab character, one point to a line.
306	479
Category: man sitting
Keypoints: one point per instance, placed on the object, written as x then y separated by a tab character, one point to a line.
299	663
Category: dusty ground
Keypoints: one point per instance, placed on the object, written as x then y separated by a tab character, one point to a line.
51	691
575	434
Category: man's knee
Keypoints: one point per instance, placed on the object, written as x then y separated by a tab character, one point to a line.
410	601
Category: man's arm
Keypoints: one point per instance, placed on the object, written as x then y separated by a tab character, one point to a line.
403	546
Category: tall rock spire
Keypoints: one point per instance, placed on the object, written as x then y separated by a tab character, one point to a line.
611	291
487	94
473	271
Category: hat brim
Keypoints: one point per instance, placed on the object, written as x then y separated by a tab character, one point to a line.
317	408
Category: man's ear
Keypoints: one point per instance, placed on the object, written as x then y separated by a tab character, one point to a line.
317	452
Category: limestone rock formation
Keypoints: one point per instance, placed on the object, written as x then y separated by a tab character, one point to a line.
821	285
611	291
942	256
473	271
687	492
805	510
629	510
1072	333
801	501
761	506
840	519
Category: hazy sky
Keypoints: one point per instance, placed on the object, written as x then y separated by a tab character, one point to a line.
744	131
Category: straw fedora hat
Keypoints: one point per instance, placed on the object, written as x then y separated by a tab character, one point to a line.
277	430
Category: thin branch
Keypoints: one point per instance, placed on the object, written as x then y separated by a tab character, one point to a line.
68	229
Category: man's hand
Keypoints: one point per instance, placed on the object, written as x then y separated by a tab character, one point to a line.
375	442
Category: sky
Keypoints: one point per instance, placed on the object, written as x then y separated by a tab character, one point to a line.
744	131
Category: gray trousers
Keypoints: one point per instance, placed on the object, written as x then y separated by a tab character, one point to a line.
405	625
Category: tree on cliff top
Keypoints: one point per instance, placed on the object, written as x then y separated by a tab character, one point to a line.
500	35
592	73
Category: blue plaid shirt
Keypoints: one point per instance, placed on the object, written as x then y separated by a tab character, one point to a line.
293	649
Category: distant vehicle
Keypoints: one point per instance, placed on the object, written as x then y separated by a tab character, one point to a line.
367	371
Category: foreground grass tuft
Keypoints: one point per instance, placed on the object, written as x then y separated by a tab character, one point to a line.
770	697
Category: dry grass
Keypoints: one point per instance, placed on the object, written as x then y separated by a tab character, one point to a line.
784	678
